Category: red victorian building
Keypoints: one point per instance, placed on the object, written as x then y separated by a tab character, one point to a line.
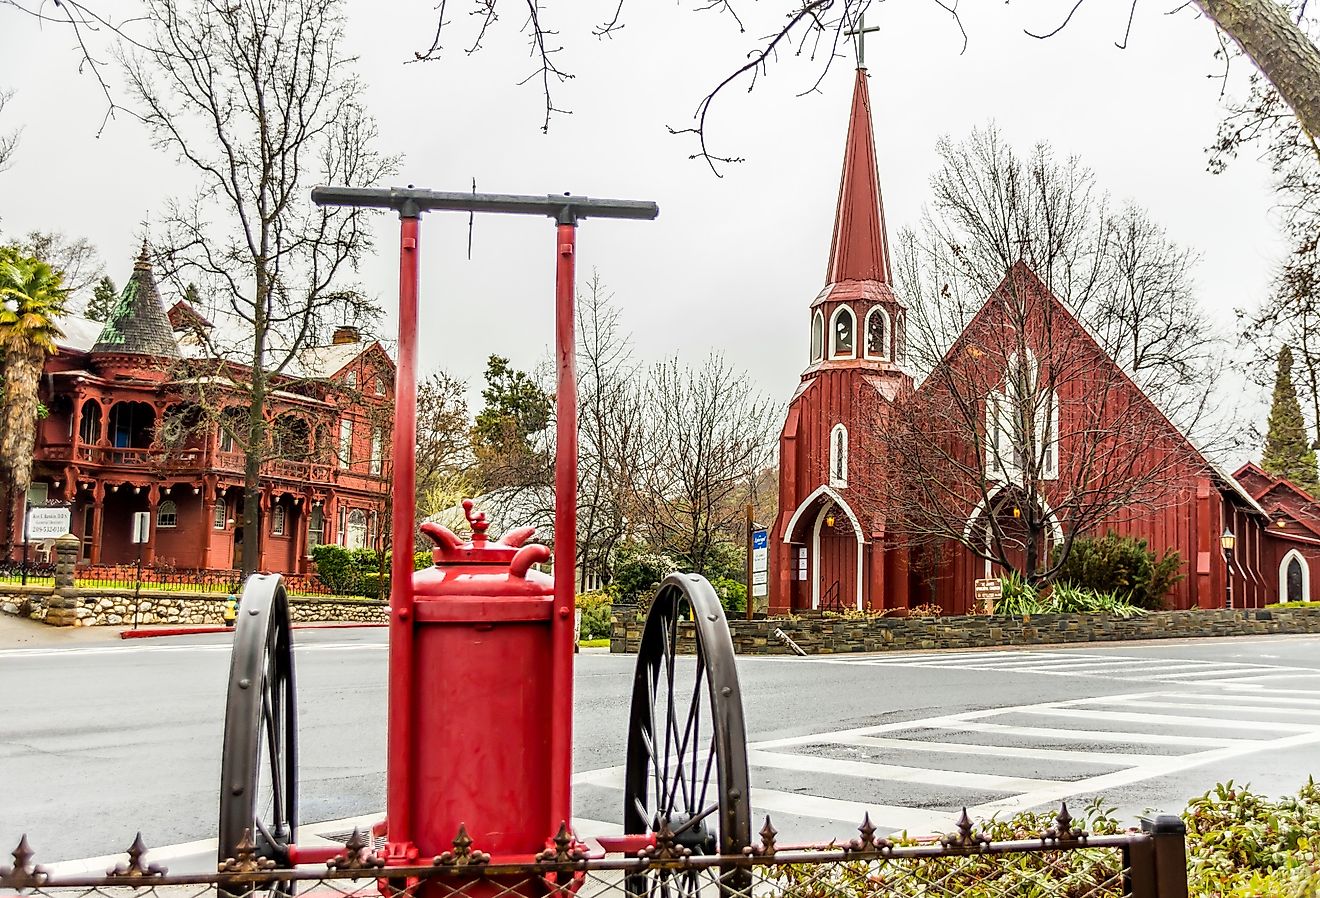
866	521
124	434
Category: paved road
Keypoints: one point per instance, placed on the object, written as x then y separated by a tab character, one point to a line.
99	740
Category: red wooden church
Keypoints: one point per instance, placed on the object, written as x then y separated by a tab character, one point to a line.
857	529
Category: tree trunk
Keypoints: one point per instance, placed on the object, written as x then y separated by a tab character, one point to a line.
1278	47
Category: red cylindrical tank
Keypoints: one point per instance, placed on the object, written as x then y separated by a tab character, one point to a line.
483	712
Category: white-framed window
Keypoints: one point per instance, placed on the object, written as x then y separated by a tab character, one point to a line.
167	514
817	337
315	527
900	337
877	334
277	520
839	456
1022	424
380	386
355	534
351	380
1294	578
221	514
372	530
843	334
377	450
345	442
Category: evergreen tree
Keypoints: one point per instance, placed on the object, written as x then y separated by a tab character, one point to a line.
509	436
1287	453
104	297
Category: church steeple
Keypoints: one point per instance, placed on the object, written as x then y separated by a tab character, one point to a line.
860	248
857	321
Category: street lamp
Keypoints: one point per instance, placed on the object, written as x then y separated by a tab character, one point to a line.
1228	541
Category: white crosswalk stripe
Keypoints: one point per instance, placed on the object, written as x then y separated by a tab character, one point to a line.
970	756
1082	664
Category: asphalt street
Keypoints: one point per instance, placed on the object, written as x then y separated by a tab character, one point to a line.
100	739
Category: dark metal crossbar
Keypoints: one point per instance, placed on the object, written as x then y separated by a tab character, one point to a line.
410	201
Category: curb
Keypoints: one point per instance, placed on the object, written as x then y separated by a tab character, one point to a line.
188	631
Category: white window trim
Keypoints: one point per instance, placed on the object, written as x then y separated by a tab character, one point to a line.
221	515
377	452
278	515
345	442
834	354
817	355
866	334
1283	576
835	460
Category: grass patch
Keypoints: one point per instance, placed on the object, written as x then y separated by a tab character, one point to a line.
1307	605
595	643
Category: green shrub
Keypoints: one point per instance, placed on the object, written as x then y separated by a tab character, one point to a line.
637	571
1314	606
596	610
335	567
1242	845
733	594
1021	598
1123	565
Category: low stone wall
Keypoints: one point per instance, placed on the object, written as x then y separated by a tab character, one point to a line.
115	607
824	635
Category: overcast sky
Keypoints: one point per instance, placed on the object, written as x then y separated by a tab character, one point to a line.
732	263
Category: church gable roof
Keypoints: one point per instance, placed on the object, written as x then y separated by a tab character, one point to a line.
138	324
1022	284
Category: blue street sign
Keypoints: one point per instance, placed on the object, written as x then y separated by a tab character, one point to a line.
760	539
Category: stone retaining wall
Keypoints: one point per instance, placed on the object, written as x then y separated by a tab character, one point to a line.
115	607
822	635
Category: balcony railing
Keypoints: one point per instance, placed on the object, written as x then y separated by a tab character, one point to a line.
181	460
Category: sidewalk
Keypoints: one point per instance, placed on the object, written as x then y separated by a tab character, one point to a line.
19	632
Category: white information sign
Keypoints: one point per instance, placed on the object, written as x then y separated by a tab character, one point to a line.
48	523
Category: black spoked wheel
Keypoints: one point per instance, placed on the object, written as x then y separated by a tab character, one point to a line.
686	776
259	764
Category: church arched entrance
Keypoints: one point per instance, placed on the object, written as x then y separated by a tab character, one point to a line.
825	542
836	566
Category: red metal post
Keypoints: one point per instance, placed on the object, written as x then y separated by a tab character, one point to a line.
566	444
401	695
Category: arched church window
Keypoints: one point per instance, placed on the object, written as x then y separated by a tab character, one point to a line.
817	337
900	338
842	333
839	456
877	334
1294	578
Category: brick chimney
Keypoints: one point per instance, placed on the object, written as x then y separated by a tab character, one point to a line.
346	333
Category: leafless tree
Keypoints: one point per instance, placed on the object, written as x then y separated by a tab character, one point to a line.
707	438
8	139
1262	122
1117	269
610	426
1023	436
74	257
444	450
259	100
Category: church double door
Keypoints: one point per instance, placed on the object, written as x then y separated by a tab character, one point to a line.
836	569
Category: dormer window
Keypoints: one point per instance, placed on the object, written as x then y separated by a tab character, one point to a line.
839	456
843	327
877	334
817	337
350	380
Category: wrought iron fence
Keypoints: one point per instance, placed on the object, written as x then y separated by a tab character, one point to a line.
34	573
1060	862
197	581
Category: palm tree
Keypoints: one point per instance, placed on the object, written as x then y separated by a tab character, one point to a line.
31	301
